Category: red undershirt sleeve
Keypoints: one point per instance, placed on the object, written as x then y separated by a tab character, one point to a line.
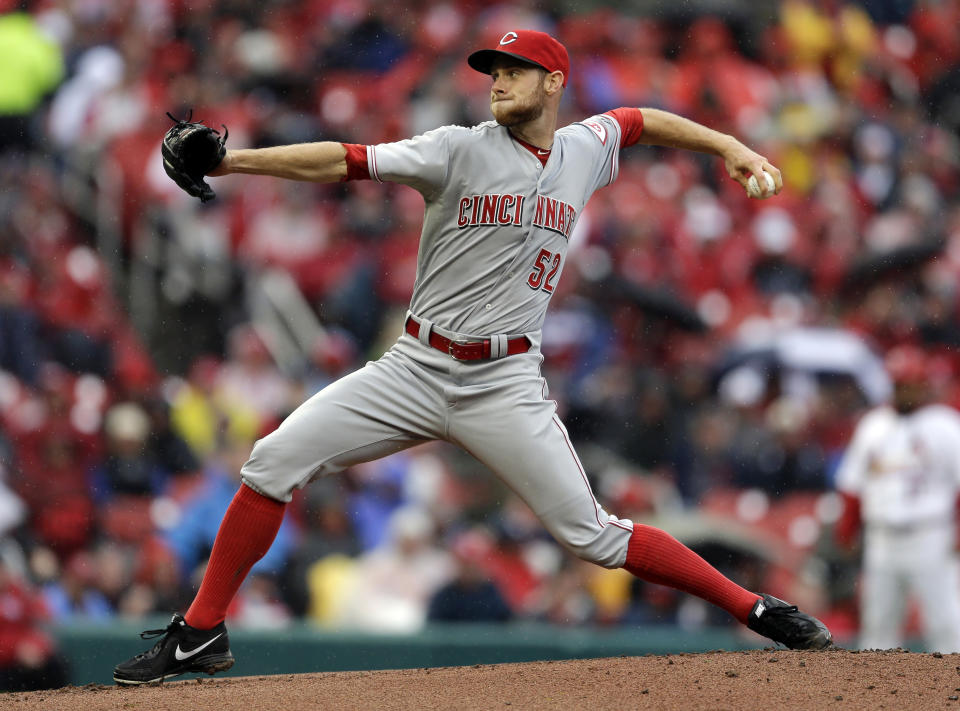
850	522
631	124
956	543
356	162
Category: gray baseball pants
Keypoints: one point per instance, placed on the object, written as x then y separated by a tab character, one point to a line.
497	410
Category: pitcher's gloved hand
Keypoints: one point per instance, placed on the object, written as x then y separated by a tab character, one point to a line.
191	150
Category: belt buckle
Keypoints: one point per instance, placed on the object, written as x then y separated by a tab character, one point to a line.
463	342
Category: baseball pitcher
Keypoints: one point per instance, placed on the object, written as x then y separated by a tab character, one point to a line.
501	200
900	478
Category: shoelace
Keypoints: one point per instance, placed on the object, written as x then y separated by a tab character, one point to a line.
152	634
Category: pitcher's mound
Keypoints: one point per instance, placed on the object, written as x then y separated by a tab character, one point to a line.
759	679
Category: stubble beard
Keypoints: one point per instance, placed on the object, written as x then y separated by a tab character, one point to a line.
523	113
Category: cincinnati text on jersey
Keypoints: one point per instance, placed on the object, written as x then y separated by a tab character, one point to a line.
490	209
494	209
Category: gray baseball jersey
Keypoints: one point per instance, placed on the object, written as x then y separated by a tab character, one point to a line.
494	241
497	222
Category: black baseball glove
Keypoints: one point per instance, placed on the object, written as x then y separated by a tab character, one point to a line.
190	151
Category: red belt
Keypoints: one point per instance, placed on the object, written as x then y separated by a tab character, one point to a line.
467	349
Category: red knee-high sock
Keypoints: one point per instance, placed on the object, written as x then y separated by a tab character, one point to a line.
657	557
246	534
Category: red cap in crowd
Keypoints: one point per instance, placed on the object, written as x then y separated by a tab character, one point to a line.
531	46
907	364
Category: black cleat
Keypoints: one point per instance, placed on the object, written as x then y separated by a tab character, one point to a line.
182	649
784	623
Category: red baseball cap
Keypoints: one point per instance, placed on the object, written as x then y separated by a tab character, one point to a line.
531	46
907	364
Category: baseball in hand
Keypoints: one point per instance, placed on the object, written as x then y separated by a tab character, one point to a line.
753	186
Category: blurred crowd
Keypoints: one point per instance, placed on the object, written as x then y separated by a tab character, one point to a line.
709	353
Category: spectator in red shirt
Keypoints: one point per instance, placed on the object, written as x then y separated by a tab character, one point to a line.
28	656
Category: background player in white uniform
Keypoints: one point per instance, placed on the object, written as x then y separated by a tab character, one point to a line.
501	200
900	478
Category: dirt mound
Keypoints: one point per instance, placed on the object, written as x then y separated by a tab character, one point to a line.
755	679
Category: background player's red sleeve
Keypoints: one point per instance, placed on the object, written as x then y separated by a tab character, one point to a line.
848	526
956	543
356	162
631	122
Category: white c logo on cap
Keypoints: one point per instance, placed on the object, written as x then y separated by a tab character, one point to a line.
508	38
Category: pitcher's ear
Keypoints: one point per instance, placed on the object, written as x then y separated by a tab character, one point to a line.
554	82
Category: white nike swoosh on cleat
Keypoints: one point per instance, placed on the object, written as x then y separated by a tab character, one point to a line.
180	655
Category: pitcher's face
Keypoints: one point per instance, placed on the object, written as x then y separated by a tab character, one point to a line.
517	95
